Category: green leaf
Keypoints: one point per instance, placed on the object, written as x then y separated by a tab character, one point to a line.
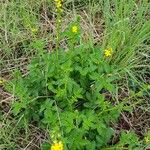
38	44
45	146
17	106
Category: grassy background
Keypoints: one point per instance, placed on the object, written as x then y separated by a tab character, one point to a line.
120	24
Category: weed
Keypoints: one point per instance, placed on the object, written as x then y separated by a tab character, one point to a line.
72	91
65	91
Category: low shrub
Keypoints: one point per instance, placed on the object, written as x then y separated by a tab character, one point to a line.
72	93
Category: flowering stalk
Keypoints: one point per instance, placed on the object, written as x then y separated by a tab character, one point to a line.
108	52
57	145
58	4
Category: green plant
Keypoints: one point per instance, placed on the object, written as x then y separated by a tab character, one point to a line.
72	92
128	141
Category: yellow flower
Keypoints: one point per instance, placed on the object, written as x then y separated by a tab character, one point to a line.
58	5
147	140
34	30
74	29
108	52
57	146
1	82
58	1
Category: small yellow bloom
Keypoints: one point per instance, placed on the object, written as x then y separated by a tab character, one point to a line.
1	82
58	1
34	30
108	52
57	146
147	139
74	29
58	5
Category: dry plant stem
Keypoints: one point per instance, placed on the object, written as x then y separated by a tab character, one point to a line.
6	36
28	144
7	100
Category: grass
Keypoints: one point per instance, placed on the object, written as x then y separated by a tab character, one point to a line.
119	24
